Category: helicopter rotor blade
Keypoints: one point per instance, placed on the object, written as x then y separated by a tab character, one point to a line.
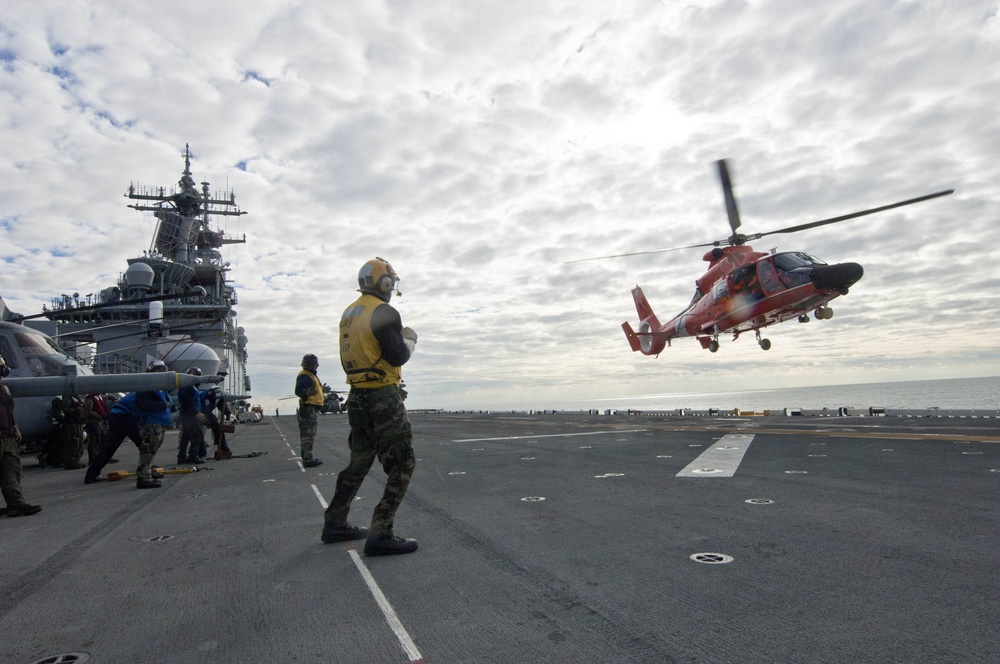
853	215
642	253
727	191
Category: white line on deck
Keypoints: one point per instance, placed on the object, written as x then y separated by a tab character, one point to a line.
550	435
721	459
387	610
390	614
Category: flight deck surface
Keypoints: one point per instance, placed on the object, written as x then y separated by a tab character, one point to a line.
543	538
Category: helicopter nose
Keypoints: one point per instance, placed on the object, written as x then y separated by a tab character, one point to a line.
840	276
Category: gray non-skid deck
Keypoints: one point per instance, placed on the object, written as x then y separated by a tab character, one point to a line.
543	538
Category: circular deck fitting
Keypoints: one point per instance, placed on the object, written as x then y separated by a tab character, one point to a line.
712	558
533	499
706	471
63	658
759	501
457	472
796	472
971	452
817	455
610	475
664	456
887	449
158	539
527	458
995	470
695	445
478	449
585	447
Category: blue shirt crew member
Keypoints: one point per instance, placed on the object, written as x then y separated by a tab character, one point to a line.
309	390
155	415
189	405
123	422
374	346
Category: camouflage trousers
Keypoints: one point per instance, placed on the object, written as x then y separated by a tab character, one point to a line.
379	429
308	422
152	438
10	472
72	445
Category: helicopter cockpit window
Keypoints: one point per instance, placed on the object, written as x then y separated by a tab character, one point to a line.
795	267
42	359
8	354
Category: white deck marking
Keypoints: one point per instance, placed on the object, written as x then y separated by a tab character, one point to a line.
721	459
550	435
390	614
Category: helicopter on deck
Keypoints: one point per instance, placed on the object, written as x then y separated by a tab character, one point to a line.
745	290
40	369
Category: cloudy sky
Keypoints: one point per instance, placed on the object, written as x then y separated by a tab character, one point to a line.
478	146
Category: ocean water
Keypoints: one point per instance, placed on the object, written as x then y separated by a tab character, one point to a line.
949	394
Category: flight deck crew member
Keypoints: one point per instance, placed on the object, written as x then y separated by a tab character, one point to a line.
373	346
126	420
310	393
189	405
10	454
155	415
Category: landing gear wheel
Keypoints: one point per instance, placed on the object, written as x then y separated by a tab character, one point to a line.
713	346
824	313
803	318
765	344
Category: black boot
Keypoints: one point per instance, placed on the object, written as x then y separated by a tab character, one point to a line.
389	545
147	484
344	533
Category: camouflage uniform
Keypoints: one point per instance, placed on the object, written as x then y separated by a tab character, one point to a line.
10	459
308	423
152	438
379	428
73	420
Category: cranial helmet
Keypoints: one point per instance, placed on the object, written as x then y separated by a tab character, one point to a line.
194	371
309	361
156	365
4	369
378	278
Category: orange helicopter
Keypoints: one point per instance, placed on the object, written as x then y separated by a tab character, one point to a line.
745	290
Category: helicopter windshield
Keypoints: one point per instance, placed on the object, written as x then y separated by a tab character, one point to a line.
43	357
795	267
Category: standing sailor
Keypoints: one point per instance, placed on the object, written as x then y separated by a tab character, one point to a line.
310	393
10	454
373	346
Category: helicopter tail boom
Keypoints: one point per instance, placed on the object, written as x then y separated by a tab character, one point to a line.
650	339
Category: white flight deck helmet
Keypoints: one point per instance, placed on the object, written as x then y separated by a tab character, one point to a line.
377	278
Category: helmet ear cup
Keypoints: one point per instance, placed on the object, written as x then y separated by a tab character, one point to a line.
385	284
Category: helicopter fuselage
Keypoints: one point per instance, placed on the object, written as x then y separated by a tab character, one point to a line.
745	290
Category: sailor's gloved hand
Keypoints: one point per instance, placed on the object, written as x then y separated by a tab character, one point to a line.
409	338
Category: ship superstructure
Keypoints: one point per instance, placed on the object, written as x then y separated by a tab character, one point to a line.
174	302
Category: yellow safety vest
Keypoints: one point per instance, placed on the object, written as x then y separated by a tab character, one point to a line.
360	353
316	399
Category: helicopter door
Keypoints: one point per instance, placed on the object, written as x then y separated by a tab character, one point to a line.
769	277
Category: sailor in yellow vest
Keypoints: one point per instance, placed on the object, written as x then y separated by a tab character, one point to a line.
310	393
373	346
